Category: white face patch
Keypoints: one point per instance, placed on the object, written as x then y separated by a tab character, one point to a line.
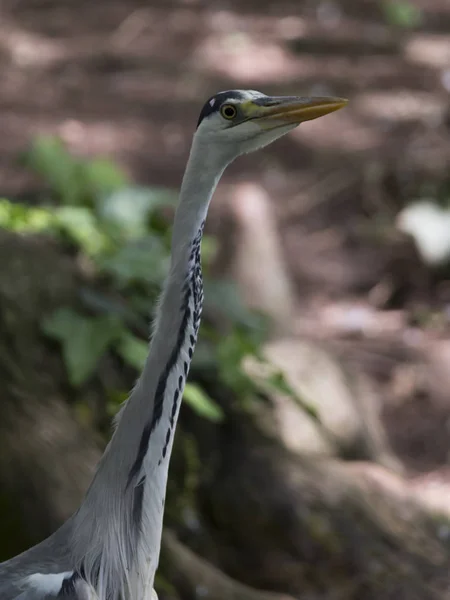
212	102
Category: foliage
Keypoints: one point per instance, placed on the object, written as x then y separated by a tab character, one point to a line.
401	14
122	232
197	398
84	340
74	182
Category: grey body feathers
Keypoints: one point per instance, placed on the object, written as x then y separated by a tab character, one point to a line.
50	556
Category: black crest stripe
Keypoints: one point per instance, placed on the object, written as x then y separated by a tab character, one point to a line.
215	102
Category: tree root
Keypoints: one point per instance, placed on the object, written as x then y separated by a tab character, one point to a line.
194	577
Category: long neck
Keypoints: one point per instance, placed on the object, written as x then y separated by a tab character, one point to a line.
117	531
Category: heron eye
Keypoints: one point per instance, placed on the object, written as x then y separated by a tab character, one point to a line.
228	111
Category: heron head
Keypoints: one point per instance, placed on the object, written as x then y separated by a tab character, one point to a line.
240	121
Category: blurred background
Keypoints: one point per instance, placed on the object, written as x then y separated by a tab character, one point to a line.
312	455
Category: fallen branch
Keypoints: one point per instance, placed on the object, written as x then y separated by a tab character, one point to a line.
194	576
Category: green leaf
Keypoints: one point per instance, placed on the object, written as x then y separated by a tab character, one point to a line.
84	340
130	208
133	350
22	218
48	158
204	356
278	381
102	302
144	260
103	177
209	249
222	299
114	400
61	323
230	351
80	224
402	14
202	404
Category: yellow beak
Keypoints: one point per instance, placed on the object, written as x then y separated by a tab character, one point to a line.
292	109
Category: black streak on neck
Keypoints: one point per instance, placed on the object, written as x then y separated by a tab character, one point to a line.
192	286
138	501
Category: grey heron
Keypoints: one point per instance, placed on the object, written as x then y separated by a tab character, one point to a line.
109	549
